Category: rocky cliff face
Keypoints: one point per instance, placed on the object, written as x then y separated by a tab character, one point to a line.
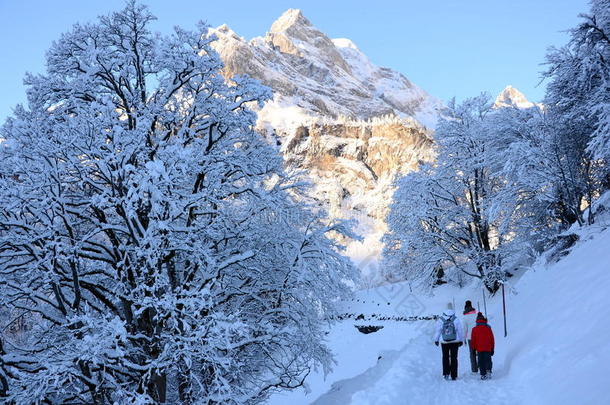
350	124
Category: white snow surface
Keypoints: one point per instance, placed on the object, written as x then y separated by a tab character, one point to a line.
556	351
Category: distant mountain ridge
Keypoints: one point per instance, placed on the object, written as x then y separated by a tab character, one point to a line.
315	77
320	76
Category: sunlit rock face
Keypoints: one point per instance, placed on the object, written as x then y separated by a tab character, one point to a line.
352	125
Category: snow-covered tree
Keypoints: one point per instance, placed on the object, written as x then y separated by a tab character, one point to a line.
546	176
508	179
578	100
505	182
149	234
454	214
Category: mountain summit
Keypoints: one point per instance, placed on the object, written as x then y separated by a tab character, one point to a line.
291	19
511	97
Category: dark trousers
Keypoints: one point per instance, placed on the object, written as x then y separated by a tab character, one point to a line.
473	357
450	359
484	363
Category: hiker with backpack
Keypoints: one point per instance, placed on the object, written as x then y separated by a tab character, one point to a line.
468	322
484	344
449	333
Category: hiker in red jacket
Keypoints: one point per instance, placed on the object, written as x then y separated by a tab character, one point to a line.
483	342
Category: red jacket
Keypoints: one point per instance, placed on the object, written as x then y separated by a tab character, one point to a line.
482	337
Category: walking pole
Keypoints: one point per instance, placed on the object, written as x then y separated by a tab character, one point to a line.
504	310
484	301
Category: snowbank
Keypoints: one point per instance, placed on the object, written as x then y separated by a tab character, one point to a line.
558	348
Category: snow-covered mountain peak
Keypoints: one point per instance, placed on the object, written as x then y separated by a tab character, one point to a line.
293	34
291	20
511	97
326	78
225	30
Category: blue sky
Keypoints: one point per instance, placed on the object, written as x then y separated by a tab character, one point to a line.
447	47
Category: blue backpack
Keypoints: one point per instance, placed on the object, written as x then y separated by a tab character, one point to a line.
448	330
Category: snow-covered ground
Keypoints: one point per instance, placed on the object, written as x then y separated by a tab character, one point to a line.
557	350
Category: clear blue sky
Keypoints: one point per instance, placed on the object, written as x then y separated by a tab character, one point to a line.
447	47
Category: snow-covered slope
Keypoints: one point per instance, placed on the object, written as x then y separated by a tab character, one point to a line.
556	351
349	124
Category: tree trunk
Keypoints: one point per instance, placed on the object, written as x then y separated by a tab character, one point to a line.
159	384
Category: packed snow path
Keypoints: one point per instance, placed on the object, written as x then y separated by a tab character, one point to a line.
413	376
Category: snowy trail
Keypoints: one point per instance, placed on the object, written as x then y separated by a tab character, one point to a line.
413	376
556	352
